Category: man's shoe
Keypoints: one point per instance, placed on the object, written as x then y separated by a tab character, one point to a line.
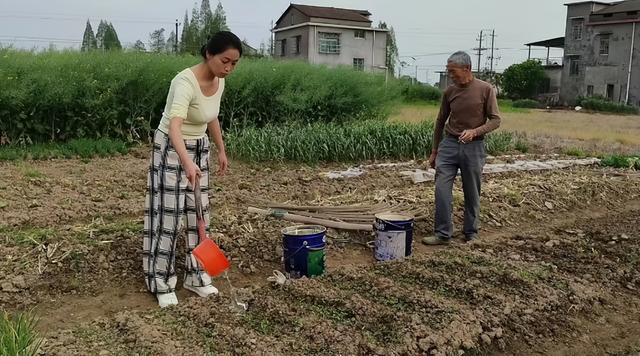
470	238
167	299
435	240
202	291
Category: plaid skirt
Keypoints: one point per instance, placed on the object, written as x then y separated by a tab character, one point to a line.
170	205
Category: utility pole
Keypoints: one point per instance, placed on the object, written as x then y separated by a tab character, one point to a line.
480	49
479	52
493	36
175	45
272	47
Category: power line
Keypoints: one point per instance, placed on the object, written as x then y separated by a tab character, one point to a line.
95	19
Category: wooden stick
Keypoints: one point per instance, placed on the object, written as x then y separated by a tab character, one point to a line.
338	217
319	208
309	220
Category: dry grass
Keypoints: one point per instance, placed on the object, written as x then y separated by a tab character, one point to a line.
606	132
415	113
620	129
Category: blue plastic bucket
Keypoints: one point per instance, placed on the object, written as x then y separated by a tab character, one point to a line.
394	236
303	248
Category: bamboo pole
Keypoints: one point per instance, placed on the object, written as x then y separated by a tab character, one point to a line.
309	220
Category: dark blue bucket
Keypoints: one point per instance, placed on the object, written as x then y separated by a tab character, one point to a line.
303	247
394	236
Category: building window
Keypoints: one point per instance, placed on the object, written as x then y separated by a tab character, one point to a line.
329	43
604	45
359	34
576	29
574	66
589	90
283	48
358	64
610	89
298	40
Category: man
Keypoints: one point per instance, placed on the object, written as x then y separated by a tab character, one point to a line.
469	111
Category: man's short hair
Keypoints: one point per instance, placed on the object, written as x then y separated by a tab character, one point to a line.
460	58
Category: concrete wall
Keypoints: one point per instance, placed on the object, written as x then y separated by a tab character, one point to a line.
444	81
350	47
596	69
554	73
290	35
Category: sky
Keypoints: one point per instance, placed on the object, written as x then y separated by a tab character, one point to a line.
426	30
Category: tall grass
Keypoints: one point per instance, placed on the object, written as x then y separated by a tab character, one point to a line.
18	336
352	142
267	92
59	96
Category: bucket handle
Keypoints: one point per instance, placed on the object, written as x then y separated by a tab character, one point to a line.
304	245
392	224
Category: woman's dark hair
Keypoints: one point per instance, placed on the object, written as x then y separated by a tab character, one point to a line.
220	42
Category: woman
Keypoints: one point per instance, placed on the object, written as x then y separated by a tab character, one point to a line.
180	159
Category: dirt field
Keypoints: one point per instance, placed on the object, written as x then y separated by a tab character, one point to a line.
556	271
557	130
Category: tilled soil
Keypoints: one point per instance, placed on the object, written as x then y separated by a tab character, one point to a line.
557	262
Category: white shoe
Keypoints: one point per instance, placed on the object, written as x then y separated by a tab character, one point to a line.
202	291
167	299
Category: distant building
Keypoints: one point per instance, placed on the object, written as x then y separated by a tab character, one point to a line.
601	53
248	50
330	36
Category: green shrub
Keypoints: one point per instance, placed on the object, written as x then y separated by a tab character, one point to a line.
526	103
266	92
59	96
420	92
598	103
617	161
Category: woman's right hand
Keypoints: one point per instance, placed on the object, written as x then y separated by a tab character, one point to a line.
192	171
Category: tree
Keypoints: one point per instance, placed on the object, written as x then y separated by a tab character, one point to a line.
195	40
139	46
203	24
88	39
219	20
206	20
157	43
171	43
523	80
185	37
107	37
102	29
110	40
392	47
